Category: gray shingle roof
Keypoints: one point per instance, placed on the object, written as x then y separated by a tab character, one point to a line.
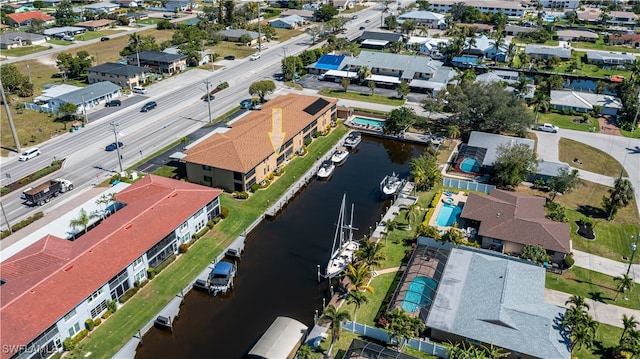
408	64
377	35
159	56
491	142
118	69
238	32
584	100
91	92
610	56
561	52
499	300
11	36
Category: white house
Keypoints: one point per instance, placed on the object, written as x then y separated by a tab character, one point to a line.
287	22
585	102
424	18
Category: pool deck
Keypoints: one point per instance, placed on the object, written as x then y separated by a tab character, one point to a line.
457	199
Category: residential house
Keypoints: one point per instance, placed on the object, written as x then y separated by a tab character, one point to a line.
159	62
602	58
96	25
428	45
126	76
18	8
91	96
560	4
242	156
577	35
53	286
509	8
60	32
509	78
589	15
205	56
485	47
622	18
507	221
545	52
233	35
428	19
11	39
308	15
585	102
341	5
483	147
135	16
101	7
547	170
129	3
25	18
287	22
180	5
51	91
52	3
515	30
493	301
378	39
479	28
326	63
632	40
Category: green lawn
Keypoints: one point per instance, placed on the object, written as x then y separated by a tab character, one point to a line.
593	160
90	35
364	97
23	50
600	45
109	337
567	122
149	21
60	42
593	285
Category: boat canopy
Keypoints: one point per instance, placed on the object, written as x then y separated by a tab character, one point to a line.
281	340
222	269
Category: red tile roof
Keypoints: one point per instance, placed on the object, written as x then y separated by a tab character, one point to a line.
52	276
518	218
19	18
247	143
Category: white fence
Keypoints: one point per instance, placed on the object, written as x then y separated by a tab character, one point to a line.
34	107
467	185
380	334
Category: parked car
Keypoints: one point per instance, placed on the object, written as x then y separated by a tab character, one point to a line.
254	57
113	146
69	38
367	21
113	103
148	106
29	154
354	17
246	104
547	127
105	38
362	28
139	89
230	57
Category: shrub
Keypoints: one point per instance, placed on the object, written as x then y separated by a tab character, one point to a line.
217	220
224	212
152	272
195	237
140	283
112	305
382	322
318	134
97	322
255	187
128	294
568	261
435	199
242	195
69	344
587	222
89	324
106	314
164	264
307	141
270	176
81	335
556	212
211	224
183	248
18	226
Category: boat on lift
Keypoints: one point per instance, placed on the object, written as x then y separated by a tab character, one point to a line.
340	155
353	140
391	184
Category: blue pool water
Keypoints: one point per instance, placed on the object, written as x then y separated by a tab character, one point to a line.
368	121
419	294
470	164
448	215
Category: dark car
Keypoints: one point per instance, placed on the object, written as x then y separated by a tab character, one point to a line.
362	28
246	104
148	106
113	103
113	146
208	97
230	57
104	39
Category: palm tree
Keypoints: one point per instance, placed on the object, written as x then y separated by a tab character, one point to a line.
620	196
631	343
83	220
135	40
494	352
453	132
629	324
335	319
578	301
403	326
412	213
359	276
305	351
357	299
581	336
541	102
624	282
452	235
370	253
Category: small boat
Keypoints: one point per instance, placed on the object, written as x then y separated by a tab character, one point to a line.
353	140
616	78
340	155
326	170
391	184
221	277
344	246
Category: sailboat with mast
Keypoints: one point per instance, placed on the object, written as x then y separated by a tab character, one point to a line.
344	246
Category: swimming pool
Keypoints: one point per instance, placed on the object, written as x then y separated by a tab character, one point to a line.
448	215
469	165
419	294
367	121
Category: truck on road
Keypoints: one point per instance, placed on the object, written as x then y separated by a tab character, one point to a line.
41	194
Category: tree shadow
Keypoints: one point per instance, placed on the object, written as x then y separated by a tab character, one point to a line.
599	297
591	211
600	351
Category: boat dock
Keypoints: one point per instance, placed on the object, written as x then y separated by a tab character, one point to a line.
273	210
402	200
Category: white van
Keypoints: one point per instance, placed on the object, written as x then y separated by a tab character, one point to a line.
29	154
139	89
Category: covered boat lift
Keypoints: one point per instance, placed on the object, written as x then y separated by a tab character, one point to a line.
280	341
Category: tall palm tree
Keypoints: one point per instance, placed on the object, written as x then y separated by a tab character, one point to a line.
625	282
334	318
412	213
453	132
540	101
620	196
82	220
581	336
371	253
631	343
135	40
630	323
578	301
403	326
357	299
359	276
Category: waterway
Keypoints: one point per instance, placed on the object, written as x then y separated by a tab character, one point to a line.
278	272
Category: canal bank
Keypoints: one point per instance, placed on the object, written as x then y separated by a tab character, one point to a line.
278	273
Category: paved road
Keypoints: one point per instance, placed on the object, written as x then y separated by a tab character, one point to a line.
606	266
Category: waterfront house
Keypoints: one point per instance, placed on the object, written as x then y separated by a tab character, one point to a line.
52	287
545	52
560	4
486	48
507	221
159	62
126	76
243	155
577	35
602	58
585	102
25	18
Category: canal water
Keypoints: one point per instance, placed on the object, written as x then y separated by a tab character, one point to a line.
277	275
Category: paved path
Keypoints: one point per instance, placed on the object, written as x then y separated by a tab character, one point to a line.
605	266
601	312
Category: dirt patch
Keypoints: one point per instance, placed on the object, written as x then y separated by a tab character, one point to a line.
47	60
608	126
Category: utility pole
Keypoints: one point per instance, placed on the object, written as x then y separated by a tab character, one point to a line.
259	32
10	118
115	125
84	109
208	100
6	219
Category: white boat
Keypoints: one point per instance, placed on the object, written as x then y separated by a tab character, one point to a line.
353	140
326	170
344	246
391	184
340	155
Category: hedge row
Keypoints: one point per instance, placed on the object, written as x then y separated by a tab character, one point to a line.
18	226
70	343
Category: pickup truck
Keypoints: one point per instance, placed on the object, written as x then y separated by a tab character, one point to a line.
547	127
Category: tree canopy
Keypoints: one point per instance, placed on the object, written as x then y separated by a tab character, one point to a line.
326	12
262	89
399	120
15	82
74	67
514	163
64	14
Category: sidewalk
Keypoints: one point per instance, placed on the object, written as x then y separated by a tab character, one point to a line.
605	266
601	312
